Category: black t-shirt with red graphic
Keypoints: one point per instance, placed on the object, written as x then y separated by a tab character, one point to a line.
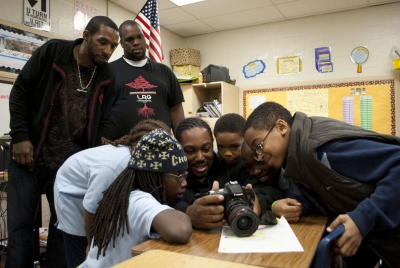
142	92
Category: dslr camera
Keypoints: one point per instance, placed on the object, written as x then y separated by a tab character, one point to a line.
238	208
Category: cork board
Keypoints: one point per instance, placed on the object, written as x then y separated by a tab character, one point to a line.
369	104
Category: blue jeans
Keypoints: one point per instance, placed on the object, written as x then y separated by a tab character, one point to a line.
24	191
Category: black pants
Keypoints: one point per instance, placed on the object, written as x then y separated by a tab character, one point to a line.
75	249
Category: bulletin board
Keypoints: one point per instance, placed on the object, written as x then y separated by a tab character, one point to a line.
369	104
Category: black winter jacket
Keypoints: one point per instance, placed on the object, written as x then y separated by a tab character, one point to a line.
35	89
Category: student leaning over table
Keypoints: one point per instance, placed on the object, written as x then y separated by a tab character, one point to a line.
232	149
352	171
135	207
80	183
228	133
207	171
294	205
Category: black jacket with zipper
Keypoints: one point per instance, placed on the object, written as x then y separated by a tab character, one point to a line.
35	90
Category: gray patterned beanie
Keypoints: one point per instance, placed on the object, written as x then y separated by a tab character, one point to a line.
158	151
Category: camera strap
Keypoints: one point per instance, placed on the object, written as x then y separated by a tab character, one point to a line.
268	218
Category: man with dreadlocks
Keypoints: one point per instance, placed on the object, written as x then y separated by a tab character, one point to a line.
80	183
135	206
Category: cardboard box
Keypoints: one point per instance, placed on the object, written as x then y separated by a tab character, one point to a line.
186	70
185	56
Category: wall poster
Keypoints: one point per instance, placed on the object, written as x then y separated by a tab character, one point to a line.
16	47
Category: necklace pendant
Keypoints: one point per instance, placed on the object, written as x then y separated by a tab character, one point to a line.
81	90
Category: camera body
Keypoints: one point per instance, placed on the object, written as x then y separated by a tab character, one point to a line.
238	208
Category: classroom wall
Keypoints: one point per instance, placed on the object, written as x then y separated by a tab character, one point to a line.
377	27
62	21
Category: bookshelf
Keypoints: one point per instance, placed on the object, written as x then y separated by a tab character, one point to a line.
196	94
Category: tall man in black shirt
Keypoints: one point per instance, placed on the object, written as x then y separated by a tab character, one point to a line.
144	88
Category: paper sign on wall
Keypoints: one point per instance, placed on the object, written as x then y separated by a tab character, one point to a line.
323	62
37	14
83	14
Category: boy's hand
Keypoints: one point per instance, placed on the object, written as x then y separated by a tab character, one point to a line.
257	206
348	243
289	208
204	214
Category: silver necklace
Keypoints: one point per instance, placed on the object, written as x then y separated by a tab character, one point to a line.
79	74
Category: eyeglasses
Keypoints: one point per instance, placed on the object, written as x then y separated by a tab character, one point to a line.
259	147
179	177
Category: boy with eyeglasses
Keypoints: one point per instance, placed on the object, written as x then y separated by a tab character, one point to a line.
228	133
350	172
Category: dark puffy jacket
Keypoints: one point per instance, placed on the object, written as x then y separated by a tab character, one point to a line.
339	193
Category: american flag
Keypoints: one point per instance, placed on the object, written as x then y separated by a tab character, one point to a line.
148	20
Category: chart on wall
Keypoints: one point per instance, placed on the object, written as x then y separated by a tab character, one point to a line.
368	104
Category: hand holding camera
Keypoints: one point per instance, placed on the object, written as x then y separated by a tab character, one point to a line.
238	207
206	212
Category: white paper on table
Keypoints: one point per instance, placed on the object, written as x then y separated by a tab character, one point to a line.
267	239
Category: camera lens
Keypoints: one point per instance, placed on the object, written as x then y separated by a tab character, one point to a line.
244	223
241	218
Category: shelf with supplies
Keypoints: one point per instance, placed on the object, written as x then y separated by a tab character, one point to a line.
198	94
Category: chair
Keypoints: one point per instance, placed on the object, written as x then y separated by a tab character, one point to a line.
323	256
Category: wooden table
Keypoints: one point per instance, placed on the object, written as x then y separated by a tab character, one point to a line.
157	258
205	244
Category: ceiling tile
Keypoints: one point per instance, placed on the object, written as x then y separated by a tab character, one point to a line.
190	28
215	15
136	5
173	16
282	1
378	2
163	4
245	18
313	7
215	8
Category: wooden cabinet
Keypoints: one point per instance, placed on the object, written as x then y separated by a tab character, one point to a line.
196	94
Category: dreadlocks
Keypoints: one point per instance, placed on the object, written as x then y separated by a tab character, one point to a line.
142	128
114	205
111	217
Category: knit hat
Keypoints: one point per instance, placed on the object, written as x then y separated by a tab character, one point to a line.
158	151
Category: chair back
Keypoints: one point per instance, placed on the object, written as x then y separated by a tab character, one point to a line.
323	256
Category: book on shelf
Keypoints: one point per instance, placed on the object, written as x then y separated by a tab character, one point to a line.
218	105
212	113
214	108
